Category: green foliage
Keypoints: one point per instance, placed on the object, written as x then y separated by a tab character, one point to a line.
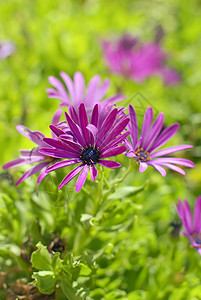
112	240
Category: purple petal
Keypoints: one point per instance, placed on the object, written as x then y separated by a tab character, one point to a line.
164	137
91	90
188	217
102	90
56	130
133	126
109	164
71	175
94	116
106	126
147	121
84	122
57	116
69	83
71	144
197	216
82	178
75	130
143	167
42	175
173	167
60	88
170	150
62	164
154	132
120	139
113	151
73	114
34	136
174	160
79	85
93	172
160	169
32	171
14	163
58	153
115	132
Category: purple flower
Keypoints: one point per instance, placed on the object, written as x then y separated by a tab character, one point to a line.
74	92
6	49
34	156
192	225
89	143
132	59
151	139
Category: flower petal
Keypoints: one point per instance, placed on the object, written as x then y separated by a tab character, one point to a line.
93	172
133	126
82	178
170	150
71	175
32	171
109	164
62	164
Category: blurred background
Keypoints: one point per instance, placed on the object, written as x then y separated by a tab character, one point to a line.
66	35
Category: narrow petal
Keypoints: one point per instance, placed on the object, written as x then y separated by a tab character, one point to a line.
56	130
93	172
84	122
174	160
91	90
109	164
173	167
79	85
58	153
14	163
170	150
71	175
164	137
120	139
197	215
133	126
73	114
42	175
143	167
75	130
154	132
62	164
60	88
113	151
147	121
57	116
34	136
102	90
188	216
82	178
160	169
106	126
32	171
69	83
94	116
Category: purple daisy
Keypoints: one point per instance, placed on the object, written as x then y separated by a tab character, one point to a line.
191	224
89	143
74	92
132	59
6	49
153	137
34	156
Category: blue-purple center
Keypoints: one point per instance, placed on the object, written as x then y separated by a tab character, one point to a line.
90	156
197	238
142	155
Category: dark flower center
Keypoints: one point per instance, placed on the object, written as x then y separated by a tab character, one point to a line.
197	239
90	156
142	155
127	43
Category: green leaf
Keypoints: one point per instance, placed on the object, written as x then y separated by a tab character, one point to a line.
45	281
41	258
127	191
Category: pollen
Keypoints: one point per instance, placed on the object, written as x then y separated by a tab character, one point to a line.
142	155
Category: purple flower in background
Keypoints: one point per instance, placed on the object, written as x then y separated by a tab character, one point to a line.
74	92
153	137
192	225
132	59
34	156
89	143
6	49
